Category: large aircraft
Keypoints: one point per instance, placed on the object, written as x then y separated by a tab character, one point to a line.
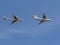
43	19
14	19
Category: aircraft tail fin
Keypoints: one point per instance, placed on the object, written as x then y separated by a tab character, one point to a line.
5	18
35	16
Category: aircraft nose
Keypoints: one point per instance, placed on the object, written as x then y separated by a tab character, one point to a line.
51	20
21	20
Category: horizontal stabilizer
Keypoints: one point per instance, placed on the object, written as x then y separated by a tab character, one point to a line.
36	17
5	18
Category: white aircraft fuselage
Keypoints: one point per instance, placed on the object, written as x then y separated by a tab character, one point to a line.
14	19
43	19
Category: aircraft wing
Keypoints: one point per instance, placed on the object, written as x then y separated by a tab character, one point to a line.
41	22
44	16
14	17
14	21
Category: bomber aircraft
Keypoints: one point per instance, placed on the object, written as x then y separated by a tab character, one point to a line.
43	19
15	19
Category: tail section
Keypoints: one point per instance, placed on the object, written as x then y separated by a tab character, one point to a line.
5	18
35	16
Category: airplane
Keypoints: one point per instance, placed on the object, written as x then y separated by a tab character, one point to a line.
15	19
43	19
